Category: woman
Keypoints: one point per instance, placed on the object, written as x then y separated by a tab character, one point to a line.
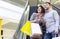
38	18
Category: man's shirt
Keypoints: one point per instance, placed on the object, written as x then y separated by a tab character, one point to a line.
52	20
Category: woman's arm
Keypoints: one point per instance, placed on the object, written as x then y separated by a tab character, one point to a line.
33	17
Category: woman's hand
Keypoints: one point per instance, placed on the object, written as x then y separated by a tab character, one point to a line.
36	19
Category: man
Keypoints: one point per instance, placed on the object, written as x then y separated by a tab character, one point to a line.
52	21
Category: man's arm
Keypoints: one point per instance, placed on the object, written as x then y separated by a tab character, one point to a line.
56	18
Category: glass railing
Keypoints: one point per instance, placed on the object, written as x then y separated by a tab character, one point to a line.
18	34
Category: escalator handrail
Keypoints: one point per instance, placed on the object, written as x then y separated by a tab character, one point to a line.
24	11
55	7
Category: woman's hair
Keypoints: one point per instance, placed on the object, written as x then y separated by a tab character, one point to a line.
42	9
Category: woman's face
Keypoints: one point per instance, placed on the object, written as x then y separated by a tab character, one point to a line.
39	9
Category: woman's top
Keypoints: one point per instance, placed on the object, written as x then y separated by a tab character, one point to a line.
40	21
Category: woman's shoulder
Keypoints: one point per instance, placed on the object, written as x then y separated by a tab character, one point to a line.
34	14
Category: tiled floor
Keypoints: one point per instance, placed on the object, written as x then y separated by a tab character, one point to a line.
8	33
9	30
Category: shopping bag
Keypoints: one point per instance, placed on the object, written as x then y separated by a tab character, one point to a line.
35	30
26	28
56	37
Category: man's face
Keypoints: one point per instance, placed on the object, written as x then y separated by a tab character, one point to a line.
46	6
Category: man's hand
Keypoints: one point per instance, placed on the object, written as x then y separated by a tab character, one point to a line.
56	31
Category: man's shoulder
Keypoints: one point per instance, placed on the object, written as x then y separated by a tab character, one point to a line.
54	10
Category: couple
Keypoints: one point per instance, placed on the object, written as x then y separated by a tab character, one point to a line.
48	18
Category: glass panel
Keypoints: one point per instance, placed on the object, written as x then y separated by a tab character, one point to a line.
20	3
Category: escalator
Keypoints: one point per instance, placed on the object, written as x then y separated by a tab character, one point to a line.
18	34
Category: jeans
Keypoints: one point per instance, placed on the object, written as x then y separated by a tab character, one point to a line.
49	35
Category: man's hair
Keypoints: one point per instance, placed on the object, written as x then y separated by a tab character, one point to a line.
48	3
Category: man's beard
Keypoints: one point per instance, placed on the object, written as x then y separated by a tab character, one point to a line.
47	9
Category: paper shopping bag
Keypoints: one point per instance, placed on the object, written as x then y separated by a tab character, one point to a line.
26	28
35	30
